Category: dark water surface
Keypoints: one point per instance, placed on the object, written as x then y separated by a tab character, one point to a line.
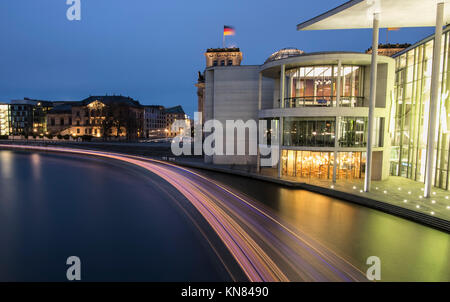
120	221
117	219
408	251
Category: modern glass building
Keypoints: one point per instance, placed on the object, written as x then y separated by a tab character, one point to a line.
322	102
410	113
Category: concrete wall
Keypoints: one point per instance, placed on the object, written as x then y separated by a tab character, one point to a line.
231	93
268	87
385	83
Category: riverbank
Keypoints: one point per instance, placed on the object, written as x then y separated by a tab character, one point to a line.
397	196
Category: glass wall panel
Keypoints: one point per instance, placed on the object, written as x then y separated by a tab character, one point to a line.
307	164
410	114
312	132
353	131
316	86
319	165
351	165
269	133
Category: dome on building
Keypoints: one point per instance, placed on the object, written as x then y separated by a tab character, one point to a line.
284	53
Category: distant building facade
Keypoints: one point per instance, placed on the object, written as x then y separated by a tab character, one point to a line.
223	57
98	116
158	121
216	57
154	121
389	50
28	116
59	119
5	120
172	115
109	117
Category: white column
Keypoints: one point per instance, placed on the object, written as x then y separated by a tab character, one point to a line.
280	143
336	145
338	83
336	130
260	91
373	91
434	99
282	84
258	158
280	126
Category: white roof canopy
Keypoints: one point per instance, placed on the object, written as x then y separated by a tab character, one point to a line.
393	13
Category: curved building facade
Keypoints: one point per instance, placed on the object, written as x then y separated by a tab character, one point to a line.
320	101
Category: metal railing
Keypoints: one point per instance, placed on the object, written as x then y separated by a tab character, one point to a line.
326	101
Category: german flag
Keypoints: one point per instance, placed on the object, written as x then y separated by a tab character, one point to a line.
228	31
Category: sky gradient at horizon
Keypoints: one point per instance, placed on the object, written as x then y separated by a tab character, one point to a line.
148	50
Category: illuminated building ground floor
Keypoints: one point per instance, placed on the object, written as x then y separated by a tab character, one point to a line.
310	164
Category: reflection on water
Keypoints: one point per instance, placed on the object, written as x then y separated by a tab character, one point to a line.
118	220
408	251
6	164
114	217
36	166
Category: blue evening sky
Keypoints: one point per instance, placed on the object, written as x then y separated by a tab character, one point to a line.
151	50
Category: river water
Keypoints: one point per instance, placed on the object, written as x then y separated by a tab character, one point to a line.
112	216
124	228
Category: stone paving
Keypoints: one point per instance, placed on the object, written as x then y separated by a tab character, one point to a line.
399	191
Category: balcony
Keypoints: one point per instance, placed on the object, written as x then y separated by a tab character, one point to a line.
323	101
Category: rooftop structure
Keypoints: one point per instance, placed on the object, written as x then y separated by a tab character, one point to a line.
359	14
285	53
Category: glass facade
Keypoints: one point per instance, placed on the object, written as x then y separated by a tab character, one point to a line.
311	132
320	132
410	114
353	131
319	165
316	86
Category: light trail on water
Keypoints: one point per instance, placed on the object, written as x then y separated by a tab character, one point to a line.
266	248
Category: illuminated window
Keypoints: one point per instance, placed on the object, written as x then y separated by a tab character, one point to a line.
316	86
319	165
313	132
